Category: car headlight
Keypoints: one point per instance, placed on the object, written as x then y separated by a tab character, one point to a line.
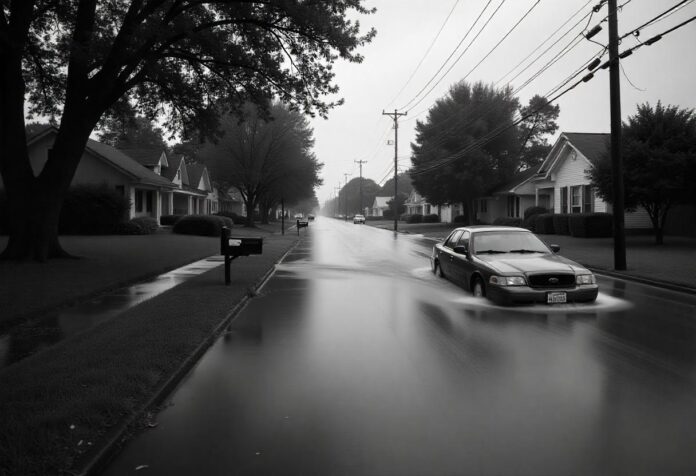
585	279
508	280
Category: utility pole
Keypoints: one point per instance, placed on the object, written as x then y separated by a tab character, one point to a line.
616	160
337	203
395	117
360	163
345	193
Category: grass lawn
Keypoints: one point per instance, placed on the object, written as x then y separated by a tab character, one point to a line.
105	262
60	406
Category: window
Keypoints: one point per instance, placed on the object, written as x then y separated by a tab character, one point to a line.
139	200
149	199
564	199
464	240
452	240
513	206
587	199
576	199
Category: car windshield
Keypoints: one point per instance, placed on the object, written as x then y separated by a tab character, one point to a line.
494	242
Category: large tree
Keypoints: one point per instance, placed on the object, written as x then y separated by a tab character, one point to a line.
182	59
464	147
538	124
349	195
266	158
659	162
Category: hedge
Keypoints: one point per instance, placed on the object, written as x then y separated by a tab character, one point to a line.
204	225
508	221
459	219
232	215
590	225
432	218
561	224
530	215
415	218
92	210
148	225
543	224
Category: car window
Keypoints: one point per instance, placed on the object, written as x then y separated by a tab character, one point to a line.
464	239
507	242
453	238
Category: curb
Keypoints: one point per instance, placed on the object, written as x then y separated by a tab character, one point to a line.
648	282
116	438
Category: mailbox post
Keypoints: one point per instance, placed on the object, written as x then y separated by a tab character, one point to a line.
303	223
233	247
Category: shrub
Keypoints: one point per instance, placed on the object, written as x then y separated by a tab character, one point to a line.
232	215
204	225
529	217
147	224
169	220
531	211
459	219
560	224
432	218
128	228
415	218
404	217
543	224
92	210
508	221
388	214
590	225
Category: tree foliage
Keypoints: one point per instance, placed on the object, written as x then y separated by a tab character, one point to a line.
538	125
404	184
449	166
132	132
183	60
349	196
266	158
659	162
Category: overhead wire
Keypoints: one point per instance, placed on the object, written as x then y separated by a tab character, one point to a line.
453	52
430	47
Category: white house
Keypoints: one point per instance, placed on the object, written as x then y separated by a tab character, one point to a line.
561	182
379	205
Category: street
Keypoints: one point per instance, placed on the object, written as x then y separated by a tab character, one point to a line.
355	359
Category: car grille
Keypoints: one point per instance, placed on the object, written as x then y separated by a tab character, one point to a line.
551	280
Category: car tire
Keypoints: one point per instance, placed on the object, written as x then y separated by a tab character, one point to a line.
478	289
438	270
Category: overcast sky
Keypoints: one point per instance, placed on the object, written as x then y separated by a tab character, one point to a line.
357	130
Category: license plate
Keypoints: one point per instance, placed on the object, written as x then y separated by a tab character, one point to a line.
556	298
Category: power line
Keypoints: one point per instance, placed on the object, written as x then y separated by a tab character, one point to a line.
432	43
654	19
455	50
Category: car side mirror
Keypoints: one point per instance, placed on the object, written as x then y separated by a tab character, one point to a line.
555	248
461	250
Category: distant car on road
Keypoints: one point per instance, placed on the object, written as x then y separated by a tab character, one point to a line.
299	215
511	265
359	219
310	217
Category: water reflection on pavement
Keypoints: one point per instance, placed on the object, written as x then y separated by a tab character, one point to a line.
355	359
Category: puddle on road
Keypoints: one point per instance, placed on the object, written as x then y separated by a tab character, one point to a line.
37	334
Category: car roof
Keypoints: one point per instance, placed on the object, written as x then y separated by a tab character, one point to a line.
484	228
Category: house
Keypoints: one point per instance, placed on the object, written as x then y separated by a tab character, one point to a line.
379	205
561	184
417	204
102	164
509	199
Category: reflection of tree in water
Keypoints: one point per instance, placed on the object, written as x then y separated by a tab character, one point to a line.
32	337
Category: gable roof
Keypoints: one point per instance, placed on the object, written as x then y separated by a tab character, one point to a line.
175	164
146	157
517	180
591	145
127	164
381	202
196	173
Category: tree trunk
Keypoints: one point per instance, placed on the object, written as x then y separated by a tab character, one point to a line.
249	204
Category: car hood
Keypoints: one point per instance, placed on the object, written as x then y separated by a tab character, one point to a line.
513	263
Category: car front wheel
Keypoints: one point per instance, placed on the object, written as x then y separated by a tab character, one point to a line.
477	289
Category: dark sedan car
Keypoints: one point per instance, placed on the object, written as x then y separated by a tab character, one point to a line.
511	265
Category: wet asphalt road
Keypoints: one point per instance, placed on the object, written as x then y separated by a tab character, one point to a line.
356	360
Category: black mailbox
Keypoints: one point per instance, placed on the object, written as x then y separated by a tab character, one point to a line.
233	246
301	224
